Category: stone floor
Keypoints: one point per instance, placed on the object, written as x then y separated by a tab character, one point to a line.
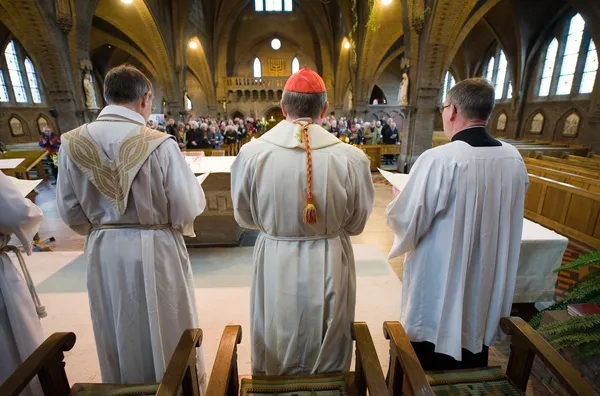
376	233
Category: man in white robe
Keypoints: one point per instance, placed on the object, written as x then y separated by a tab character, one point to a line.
307	193
459	221
20	329
130	191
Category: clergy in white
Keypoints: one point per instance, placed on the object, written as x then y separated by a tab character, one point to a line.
307	193
459	222
20	329
130	191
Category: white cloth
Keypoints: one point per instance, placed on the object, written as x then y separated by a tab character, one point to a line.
459	221
542	251
304	284
20	329
140	283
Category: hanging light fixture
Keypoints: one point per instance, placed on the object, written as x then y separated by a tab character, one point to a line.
346	44
193	44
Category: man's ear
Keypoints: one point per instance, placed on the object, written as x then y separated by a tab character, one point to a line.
147	99
325	108
454	112
283	110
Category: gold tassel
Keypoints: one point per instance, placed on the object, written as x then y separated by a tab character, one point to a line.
310	214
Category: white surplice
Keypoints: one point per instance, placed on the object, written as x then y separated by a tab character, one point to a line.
140	284
304	282
459	220
20	329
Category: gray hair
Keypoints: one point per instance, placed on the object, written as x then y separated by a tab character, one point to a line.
474	97
194	124
299	105
125	84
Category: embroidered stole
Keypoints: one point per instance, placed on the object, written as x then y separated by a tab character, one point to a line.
112	177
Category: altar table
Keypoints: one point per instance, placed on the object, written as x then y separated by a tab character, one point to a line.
216	226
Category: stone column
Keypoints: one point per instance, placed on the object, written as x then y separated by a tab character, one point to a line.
420	122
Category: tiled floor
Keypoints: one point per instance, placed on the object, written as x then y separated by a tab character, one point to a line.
376	233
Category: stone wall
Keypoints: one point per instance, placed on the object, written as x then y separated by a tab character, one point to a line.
28	117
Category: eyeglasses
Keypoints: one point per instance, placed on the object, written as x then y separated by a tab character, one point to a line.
441	109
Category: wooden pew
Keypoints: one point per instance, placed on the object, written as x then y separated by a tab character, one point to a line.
374	155
32	158
574	169
587	183
595	167
568	210
582	160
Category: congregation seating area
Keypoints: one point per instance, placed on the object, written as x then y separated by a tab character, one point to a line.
405	375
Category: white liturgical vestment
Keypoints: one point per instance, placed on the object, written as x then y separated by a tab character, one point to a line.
304	283
459	220
114	172
20	329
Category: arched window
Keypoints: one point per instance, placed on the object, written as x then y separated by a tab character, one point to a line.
3	91
549	62
188	103
295	65
273	5
257	68
14	71
569	60
496	73
590	70
501	76
448	84
489	74
33	82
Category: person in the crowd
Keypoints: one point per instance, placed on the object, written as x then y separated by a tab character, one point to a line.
367	132
395	133
20	328
172	130
304	284
334	128
50	142
459	222
203	138
134	210
219	138
377	133
388	137
3	148
193	136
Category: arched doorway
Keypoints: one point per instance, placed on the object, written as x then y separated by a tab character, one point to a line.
274	116
377	96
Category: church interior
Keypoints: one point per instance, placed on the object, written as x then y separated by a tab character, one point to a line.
384	62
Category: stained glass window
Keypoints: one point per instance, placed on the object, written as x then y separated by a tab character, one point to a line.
14	71
569	61
3	91
33	82
548	68
295	65
501	76
287	5
257	68
448	84
589	71
258	5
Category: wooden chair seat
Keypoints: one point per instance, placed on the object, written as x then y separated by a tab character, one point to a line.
367	376
484	381
115	390
406	376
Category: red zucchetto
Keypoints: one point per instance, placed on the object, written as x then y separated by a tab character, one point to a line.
305	81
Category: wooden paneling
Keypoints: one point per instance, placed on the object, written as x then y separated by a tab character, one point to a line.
569	210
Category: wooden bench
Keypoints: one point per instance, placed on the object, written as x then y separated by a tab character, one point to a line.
576	170
591	166
406	376
587	183
31	158
224	379
181	376
583	160
374	154
568	210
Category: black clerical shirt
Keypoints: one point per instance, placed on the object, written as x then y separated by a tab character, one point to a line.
476	136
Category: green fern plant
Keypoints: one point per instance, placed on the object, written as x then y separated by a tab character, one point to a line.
577	330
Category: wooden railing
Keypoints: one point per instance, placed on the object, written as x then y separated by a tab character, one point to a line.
568	210
252	83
